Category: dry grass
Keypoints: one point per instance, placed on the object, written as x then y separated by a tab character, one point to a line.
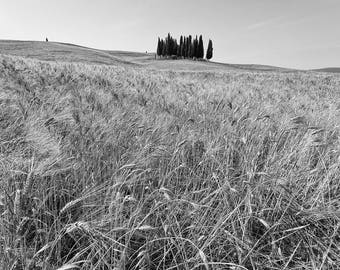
66	52
121	168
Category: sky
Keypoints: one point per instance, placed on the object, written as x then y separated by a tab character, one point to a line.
288	33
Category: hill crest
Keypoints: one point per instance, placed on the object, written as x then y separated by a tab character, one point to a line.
68	52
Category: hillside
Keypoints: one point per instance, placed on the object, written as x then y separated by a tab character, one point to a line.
59	52
331	70
121	165
65	52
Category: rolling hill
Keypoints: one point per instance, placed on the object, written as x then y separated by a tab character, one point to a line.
66	52
59	52
330	70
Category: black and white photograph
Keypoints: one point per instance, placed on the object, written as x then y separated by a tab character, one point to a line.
170	135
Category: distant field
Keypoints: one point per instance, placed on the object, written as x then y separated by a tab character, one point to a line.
111	160
331	70
64	52
51	51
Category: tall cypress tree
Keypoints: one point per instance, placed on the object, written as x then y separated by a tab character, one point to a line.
159	48
178	51
185	42
209	54
171	49
200	47
174	47
195	47
164	48
190	46
168	45
181	47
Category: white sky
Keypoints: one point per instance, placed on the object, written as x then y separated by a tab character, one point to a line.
288	33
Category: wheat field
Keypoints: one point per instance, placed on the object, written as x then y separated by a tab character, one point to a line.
123	167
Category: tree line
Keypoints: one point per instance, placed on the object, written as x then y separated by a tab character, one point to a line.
187	47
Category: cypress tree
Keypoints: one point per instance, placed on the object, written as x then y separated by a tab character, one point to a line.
209	54
185	47
174	47
195	47
178	51
200	48
168	45
166	42
181	47
159	48
190	46
192	49
164	48
171	47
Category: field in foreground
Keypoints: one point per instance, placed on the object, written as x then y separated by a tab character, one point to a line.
118	167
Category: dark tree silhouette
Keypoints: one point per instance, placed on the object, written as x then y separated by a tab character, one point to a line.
159	47
187	47
195	48
181	45
200	48
209	54
190	51
178	52
174	48
185	52
163	48
168	42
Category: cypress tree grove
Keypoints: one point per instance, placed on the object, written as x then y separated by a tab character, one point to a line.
187	47
209	54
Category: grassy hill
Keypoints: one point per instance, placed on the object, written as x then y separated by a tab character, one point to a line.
66	52
331	70
119	165
60	52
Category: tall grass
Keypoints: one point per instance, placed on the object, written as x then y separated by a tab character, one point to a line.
105	167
